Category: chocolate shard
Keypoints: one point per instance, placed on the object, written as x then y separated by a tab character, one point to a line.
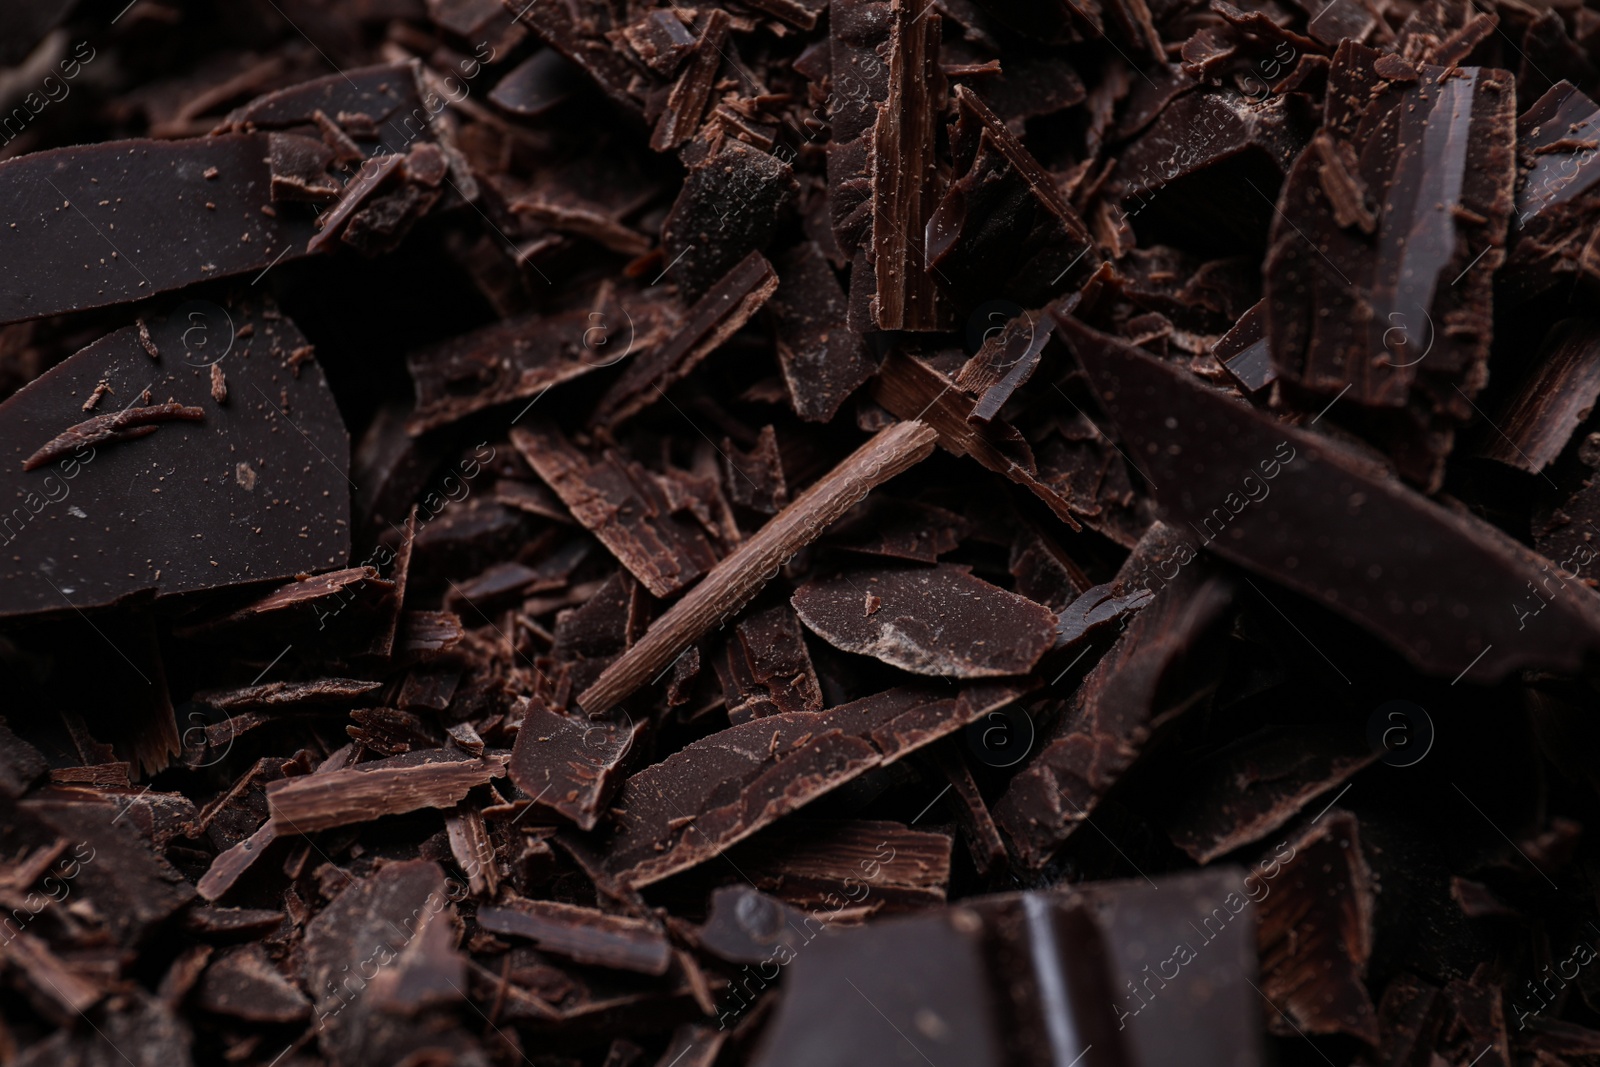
1316	932
1003	227
955	1018
730	206
823	360
747	926
715	792
765	668
686	102
579	34
820	864
114	426
571	765
245	984
397	924
755	478
936	620
1260	784
714	318
899	529
905	171
661	41
520	358
1552	401
583	935
383	94
1097	609
339	798
1244	351
537	85
299	168
1157	669
89	224
1558	197
1478	623
1400	316
1186	175
624	506
115	503
1008	358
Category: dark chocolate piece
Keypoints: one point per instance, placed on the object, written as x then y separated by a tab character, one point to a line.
258	487
939	620
686	103
88	226
339	798
823	361
569	764
1317	536
714	318
625	506
1003	227
1156	670
1560	393
765	668
689	807
730	207
1316	932
583	935
905	172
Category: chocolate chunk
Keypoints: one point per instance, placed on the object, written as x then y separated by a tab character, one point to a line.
823	361
1257	787
1003	227
686	103
244	984
1316	931
226	480
689	807
569	764
87	226
339	798
1154	671
1245	353
625	507
1389	584
765	669
939	620
1559	394
730	207
583	935
714	318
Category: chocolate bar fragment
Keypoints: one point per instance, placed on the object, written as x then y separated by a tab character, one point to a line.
1399	313
89	225
940	620
76	523
625	506
569	764
673	814
1034	978
1475	624
1557	396
1003	227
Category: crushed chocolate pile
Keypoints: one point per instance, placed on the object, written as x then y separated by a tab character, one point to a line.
610	533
